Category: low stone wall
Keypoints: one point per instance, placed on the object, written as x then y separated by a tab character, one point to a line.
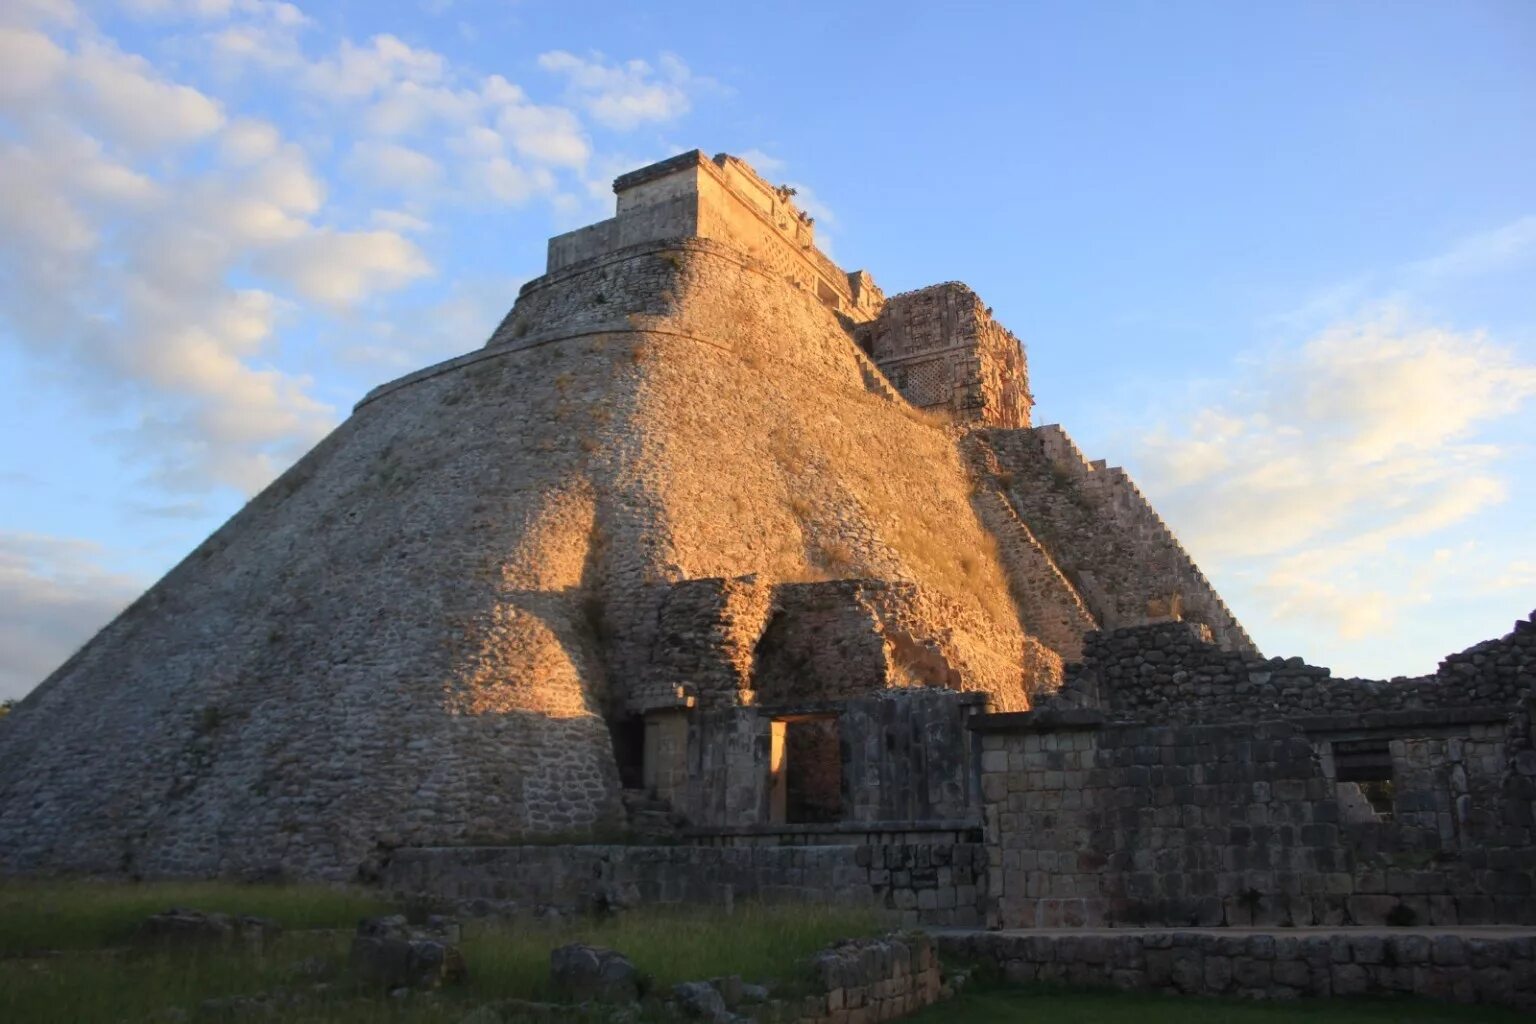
936	883
1497	968
873	979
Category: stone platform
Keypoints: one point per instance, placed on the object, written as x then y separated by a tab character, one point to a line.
1493	964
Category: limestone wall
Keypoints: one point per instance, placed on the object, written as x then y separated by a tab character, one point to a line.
404	639
936	883
906	757
944	352
724	199
1466	968
1099	528
1050	606
1214	825
1281	796
874	980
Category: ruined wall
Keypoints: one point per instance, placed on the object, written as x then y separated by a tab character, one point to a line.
1099	528
934	883
1167	672
943	351
1281	797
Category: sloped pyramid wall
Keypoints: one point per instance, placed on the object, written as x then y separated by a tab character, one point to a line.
409	637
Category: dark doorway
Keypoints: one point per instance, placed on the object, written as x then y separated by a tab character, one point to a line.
629	750
807	765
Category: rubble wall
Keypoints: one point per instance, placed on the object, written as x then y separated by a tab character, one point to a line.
1168	672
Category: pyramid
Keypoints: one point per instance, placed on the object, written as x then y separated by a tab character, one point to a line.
697	471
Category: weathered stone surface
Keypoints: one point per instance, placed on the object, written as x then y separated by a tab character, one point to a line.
1238	811
846	869
1493	970
582	973
452	595
389	953
699	1000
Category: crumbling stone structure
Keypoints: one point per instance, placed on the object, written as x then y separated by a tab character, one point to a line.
1173	783
714	544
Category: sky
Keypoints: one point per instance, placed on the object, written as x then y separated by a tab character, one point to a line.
1278	260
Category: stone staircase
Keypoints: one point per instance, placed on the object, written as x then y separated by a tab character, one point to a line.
1052	608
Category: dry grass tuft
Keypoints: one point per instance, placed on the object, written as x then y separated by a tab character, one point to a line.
834	554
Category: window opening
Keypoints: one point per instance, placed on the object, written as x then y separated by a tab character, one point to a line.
1367	764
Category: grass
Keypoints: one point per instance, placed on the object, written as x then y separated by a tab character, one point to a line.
95	979
86	915
1015	1006
758	942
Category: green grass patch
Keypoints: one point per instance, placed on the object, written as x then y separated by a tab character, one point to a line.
1015	1006
94	979
759	942
86	915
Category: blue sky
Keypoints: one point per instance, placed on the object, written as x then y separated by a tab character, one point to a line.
1278	260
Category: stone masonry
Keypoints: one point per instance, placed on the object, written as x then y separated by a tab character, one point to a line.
710	536
1175	783
1468	966
934	882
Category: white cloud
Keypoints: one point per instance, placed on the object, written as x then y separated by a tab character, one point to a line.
340	268
31	61
1322	468
54	594
128	102
248	140
393	166
623	95
38	12
398	220
156	236
550	135
509	183
359	72
121	265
